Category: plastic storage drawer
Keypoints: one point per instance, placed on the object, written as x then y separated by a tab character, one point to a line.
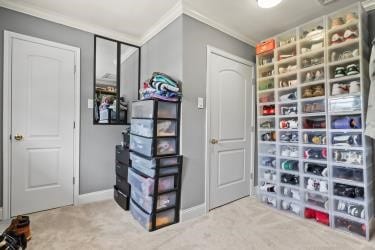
152	163
121	199
145	109
146	185
121	170
122	154
144	127
152	171
122	185
144	146
348	104
163	200
162	219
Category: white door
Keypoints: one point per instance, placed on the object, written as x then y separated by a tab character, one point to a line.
43	111
230	119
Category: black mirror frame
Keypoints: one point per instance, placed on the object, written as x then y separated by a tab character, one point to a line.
118	75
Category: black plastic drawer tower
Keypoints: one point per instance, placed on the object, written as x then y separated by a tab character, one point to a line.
122	187
156	166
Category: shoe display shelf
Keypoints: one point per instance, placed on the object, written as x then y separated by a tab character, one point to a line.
350	155
156	166
314	160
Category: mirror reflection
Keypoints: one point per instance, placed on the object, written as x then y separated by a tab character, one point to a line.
116	81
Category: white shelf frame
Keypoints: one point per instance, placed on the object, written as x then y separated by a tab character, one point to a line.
328	80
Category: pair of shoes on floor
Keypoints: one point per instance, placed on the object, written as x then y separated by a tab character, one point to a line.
17	234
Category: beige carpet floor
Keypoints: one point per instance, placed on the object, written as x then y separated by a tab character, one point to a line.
244	224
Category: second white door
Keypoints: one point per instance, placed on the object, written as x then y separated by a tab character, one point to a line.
230	119
43	111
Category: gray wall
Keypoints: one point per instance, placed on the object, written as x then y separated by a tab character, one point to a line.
163	53
180	51
97	142
196	37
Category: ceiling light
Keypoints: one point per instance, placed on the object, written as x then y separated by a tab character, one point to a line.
268	3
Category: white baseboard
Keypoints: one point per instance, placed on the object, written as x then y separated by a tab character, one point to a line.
193	212
95	196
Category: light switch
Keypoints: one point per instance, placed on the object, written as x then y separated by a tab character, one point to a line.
90	103
200	103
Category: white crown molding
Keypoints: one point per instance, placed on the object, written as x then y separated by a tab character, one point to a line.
368	5
68	21
163	22
188	10
177	10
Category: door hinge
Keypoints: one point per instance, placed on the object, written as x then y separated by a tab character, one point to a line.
253	81
75	69
74	124
251	176
74	180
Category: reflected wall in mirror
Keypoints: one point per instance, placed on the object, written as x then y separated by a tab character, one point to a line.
116	80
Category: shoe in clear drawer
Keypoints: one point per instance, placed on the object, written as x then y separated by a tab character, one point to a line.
145	109
162	219
145	185
144	146
350	226
346	139
163	201
350	208
349	174
347	104
144	127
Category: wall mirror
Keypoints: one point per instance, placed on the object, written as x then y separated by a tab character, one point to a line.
116	84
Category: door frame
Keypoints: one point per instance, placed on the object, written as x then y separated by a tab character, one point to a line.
7	115
212	50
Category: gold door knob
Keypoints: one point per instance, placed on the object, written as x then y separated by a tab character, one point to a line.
214	141
18	137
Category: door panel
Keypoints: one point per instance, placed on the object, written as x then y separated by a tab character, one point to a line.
230	89
231	167
43	113
231	106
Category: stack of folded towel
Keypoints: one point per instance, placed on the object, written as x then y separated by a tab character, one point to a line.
161	86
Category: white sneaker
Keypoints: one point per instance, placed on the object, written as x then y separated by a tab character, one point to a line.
295	208
285	152
294	152
339	89
310	185
341	206
285	205
323	186
295	194
354	87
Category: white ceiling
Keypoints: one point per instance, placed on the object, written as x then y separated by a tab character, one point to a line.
136	21
244	17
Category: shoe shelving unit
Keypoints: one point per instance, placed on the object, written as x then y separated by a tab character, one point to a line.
314	160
